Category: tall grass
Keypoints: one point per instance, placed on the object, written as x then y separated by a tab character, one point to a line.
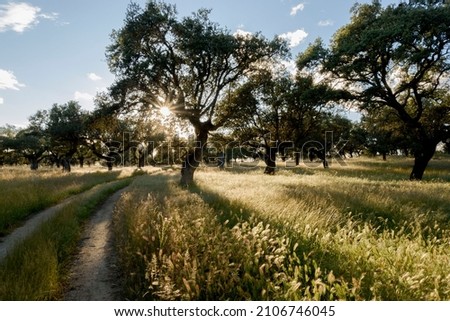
392	235
37	267
364	234
25	192
172	246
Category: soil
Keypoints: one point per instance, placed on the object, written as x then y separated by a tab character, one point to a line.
94	275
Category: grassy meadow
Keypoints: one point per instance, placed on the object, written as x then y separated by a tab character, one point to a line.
356	232
25	192
37	268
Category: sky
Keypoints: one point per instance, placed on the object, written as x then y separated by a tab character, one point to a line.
53	51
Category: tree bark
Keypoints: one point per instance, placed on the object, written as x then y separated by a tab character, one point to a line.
297	158
190	164
270	160
81	160
194	157
141	161
65	162
34	164
421	159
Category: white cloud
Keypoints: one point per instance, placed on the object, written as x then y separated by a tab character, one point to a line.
290	66
325	23
9	81
85	99
242	33
297	8
83	96
1	100
49	16
94	77
294	38
21	16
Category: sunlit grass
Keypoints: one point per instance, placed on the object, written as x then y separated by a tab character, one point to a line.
391	235
25	192
360	231
172	246
36	268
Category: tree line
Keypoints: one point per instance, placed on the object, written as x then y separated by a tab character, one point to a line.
389	63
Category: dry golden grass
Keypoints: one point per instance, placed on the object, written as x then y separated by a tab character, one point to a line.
36	268
356	232
25	192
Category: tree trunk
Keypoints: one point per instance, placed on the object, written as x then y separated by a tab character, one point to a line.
34	164
141	154
270	160
190	164
194	157
141	161
65	162
109	164
421	160
297	158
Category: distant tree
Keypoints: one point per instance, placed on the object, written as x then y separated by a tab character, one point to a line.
184	64
279	114
380	139
356	140
131	139
308	114
395	58
105	137
428	3
337	130
7	133
65	128
30	144
255	111
386	135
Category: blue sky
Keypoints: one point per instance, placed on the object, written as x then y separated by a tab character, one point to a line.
53	51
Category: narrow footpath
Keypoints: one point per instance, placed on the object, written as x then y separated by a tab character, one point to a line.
94	274
8	242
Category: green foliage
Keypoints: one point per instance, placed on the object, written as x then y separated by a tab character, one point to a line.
394	58
184	64
66	128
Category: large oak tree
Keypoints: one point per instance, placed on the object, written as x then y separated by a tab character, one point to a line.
185	64
397	58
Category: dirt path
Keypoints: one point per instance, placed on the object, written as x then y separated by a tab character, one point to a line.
94	275
8	242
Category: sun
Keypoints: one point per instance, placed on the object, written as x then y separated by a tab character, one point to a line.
165	111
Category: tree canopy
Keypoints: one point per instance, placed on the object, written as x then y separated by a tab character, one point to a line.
184	64
395	57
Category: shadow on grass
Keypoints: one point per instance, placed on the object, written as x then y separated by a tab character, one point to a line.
396	168
385	212
309	248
